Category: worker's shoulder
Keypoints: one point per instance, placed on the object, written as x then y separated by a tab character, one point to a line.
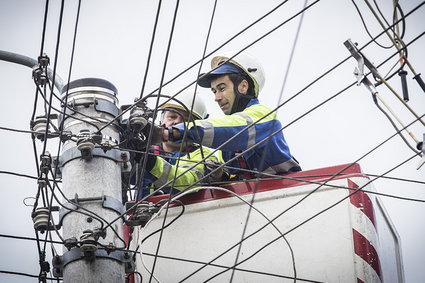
259	111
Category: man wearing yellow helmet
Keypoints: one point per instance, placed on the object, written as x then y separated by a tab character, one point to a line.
236	82
176	158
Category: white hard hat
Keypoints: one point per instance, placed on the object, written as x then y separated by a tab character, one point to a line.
199	110
248	64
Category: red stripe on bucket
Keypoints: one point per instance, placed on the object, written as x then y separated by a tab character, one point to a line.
361	200
366	251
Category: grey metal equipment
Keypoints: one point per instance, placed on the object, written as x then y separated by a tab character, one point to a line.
121	256
139	213
90	166
138	117
107	202
362	79
359	70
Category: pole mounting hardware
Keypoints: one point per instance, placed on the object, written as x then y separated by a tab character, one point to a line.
123	256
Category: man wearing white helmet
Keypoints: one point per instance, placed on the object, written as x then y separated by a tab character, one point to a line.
176	158
236	84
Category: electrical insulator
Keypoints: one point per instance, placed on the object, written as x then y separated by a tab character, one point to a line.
39	127
40	218
46	162
44	60
137	119
85	144
88	241
39	76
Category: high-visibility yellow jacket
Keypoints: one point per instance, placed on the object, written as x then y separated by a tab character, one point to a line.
162	171
229	133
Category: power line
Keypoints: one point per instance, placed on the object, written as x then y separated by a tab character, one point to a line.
24	274
267	147
237	269
28	239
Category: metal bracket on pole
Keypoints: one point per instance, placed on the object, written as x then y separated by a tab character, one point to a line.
107	202
99	105
59	262
74	153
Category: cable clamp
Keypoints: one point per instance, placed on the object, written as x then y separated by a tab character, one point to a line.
139	213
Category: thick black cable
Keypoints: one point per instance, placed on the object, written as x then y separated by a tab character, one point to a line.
43	34
33	136
154	115
18	174
27	238
185	134
168	224
50	103
398	179
268	145
367	30
150	48
237	269
24	274
56	169
41	252
54	71
196	85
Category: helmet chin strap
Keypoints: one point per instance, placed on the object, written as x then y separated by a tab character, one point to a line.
241	101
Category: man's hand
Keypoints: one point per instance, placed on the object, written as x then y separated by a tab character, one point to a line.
157	132
218	174
170	134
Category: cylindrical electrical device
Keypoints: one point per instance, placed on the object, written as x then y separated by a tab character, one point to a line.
91	181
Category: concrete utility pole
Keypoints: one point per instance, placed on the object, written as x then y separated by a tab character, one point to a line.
91	180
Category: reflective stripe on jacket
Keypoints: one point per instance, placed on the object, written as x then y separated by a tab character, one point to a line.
271	156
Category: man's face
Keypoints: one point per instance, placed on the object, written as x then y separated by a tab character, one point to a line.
222	87
171	118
